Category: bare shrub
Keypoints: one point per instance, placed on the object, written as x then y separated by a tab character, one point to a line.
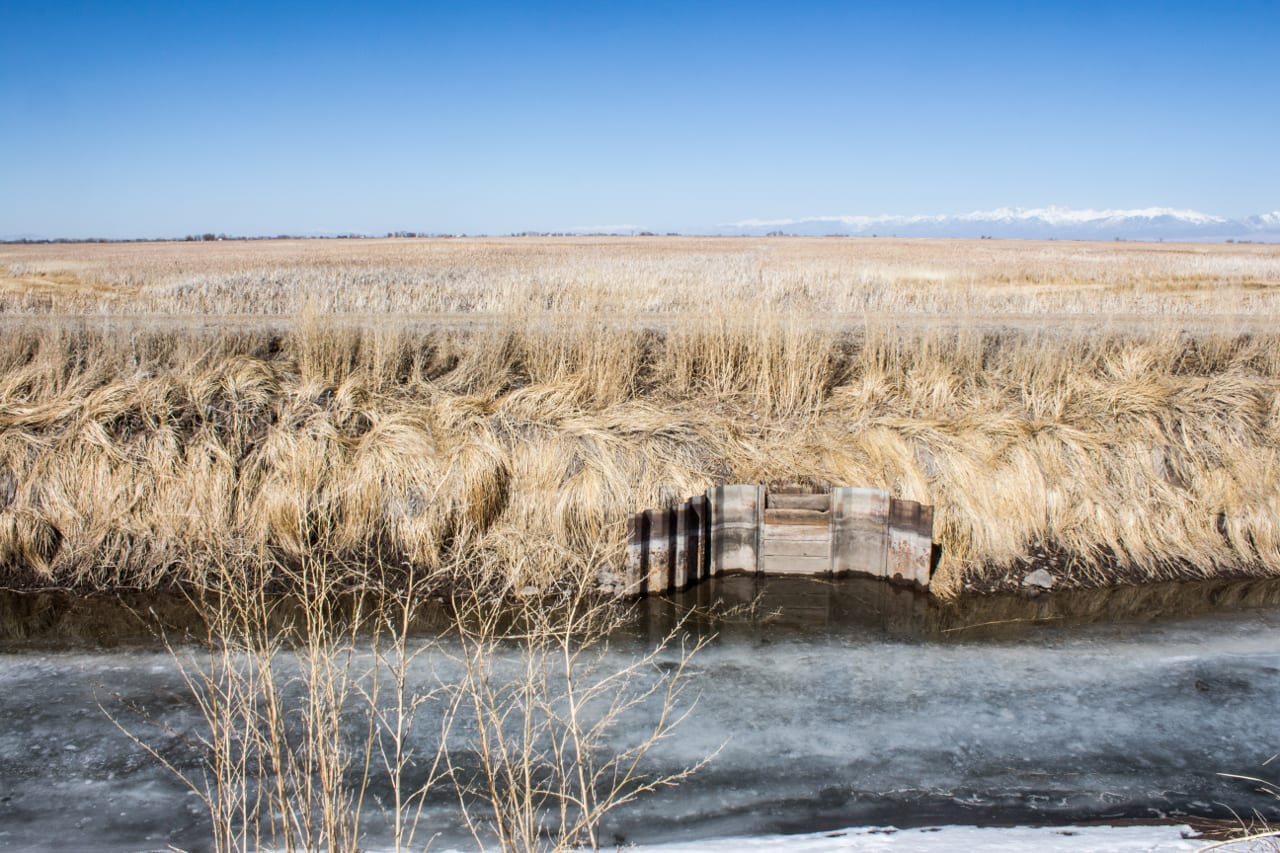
310	700
282	756
558	735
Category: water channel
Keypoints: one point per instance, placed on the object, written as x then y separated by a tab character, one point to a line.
826	704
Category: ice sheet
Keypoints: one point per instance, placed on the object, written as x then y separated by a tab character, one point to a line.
814	733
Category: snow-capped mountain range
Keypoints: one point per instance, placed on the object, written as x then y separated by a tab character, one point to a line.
1152	223
1015	223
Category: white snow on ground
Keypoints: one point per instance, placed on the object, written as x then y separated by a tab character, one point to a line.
969	839
950	839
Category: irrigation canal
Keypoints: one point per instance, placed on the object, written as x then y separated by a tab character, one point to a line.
831	704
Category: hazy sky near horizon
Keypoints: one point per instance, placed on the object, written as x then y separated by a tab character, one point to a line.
163	119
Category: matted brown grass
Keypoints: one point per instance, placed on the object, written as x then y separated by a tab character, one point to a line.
1111	411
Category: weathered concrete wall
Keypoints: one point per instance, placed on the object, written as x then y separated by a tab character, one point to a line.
860	531
735	528
661	536
747	529
697	527
910	541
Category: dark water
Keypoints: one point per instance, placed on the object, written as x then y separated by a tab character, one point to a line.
826	703
57	620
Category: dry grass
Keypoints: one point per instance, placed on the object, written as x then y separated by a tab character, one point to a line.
649	278
1112	411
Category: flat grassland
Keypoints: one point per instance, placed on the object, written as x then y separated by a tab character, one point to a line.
1110	412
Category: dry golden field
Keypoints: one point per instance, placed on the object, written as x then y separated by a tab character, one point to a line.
1110	411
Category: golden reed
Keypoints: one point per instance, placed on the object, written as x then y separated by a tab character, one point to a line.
1109	411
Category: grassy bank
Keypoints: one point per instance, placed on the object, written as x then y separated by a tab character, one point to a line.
1112	413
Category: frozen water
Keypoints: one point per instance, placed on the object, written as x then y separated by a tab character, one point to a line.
815	731
1097	723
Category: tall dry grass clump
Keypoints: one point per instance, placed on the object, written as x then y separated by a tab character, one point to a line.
1109	412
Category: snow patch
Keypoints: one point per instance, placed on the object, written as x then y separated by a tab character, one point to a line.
947	839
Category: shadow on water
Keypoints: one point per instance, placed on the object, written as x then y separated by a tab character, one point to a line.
749	605
733	606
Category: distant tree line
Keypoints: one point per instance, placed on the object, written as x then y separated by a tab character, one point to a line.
592	234
208	237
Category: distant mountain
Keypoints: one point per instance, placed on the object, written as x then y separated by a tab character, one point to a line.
1154	223
1016	223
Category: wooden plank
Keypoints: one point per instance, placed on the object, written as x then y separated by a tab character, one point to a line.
821	503
794	532
806	517
777	565
796	547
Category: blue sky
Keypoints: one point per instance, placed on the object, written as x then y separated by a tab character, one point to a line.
162	119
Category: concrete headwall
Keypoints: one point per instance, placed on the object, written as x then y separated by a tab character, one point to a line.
754	530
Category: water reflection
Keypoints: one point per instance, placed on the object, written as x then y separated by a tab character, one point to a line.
747	605
730	606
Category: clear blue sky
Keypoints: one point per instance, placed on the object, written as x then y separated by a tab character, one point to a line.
162	119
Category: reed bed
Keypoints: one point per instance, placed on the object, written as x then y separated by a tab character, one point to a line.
652	277
1109	412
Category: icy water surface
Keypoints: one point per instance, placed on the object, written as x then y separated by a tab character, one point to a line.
830	706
